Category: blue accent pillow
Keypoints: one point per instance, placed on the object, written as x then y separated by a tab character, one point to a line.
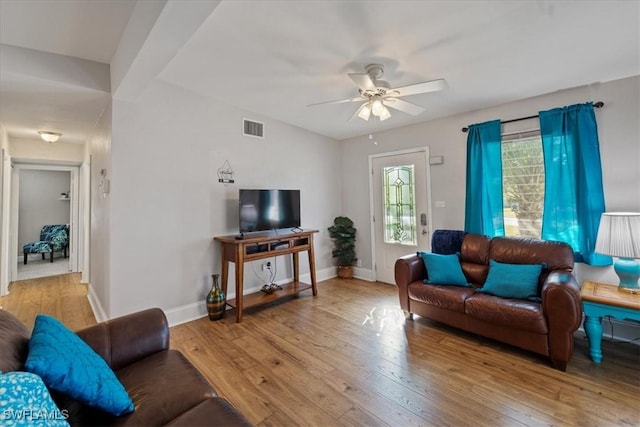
67	364
512	280
443	269
25	401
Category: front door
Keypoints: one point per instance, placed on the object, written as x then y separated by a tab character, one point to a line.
400	208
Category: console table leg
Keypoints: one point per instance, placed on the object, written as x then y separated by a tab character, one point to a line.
239	291
312	267
224	275
593	329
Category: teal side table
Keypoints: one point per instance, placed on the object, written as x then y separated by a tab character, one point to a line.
599	300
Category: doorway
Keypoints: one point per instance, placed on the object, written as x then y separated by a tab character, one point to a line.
400	189
50	195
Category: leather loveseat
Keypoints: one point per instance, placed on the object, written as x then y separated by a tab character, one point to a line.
545	326
165	387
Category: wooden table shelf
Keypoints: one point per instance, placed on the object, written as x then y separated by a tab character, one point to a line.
240	249
258	298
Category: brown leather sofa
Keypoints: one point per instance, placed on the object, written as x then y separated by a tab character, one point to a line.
165	387
544	327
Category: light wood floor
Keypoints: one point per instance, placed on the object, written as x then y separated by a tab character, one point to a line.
61	296
349	358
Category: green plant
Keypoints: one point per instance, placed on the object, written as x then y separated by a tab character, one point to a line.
343	235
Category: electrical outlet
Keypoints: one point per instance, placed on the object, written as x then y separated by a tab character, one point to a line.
268	264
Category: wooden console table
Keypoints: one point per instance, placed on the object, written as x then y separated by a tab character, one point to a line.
598	300
260	246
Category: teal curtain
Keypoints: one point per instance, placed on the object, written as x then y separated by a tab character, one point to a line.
574	197
483	210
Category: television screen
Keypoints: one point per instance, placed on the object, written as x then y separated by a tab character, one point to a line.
269	209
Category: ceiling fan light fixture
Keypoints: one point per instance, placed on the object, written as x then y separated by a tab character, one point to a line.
365	111
385	114
49	136
377	108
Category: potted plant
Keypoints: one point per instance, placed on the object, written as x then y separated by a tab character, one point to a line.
343	235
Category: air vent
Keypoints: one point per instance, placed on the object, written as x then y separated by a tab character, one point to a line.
252	128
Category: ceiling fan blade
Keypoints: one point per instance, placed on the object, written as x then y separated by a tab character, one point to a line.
363	81
424	87
404	106
341	101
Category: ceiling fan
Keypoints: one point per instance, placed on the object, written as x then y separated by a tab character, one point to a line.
378	94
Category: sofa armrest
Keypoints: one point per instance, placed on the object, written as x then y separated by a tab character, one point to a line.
562	309
127	339
408	269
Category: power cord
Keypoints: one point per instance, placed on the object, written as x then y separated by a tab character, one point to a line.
611	337
272	286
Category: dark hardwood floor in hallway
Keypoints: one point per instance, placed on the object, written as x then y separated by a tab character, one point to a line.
349	358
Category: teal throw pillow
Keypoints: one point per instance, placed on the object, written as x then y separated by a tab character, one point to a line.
67	364
25	401
512	280
443	269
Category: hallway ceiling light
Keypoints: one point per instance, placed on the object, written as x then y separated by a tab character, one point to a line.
49	136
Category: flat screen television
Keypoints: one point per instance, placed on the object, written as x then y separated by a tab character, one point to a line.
269	210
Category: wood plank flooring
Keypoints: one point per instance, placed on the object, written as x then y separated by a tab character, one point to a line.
61	296
349	358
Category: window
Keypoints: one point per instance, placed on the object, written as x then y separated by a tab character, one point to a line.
523	185
573	198
399	205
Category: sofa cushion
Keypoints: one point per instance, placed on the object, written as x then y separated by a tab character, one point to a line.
14	342
445	297
25	401
67	364
443	269
512	280
521	250
514	313
213	413
162	386
474	257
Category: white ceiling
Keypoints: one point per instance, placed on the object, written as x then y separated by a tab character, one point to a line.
275	57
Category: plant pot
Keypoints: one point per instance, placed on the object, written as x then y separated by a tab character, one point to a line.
345	272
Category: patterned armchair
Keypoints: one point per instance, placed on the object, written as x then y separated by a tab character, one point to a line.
53	238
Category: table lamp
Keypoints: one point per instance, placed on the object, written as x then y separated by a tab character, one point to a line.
619	236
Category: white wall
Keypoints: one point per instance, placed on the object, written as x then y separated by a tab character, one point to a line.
619	133
98	156
5	202
40	202
39	151
166	204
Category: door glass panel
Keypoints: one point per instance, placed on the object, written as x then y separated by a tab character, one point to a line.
399	219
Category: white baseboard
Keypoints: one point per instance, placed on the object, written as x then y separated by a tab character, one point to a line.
196	310
186	313
96	306
189	312
331	272
364	274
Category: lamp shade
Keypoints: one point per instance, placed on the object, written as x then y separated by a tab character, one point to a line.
619	234
364	111
385	114
377	107
49	136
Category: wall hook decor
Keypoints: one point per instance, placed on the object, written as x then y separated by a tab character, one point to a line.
225	173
